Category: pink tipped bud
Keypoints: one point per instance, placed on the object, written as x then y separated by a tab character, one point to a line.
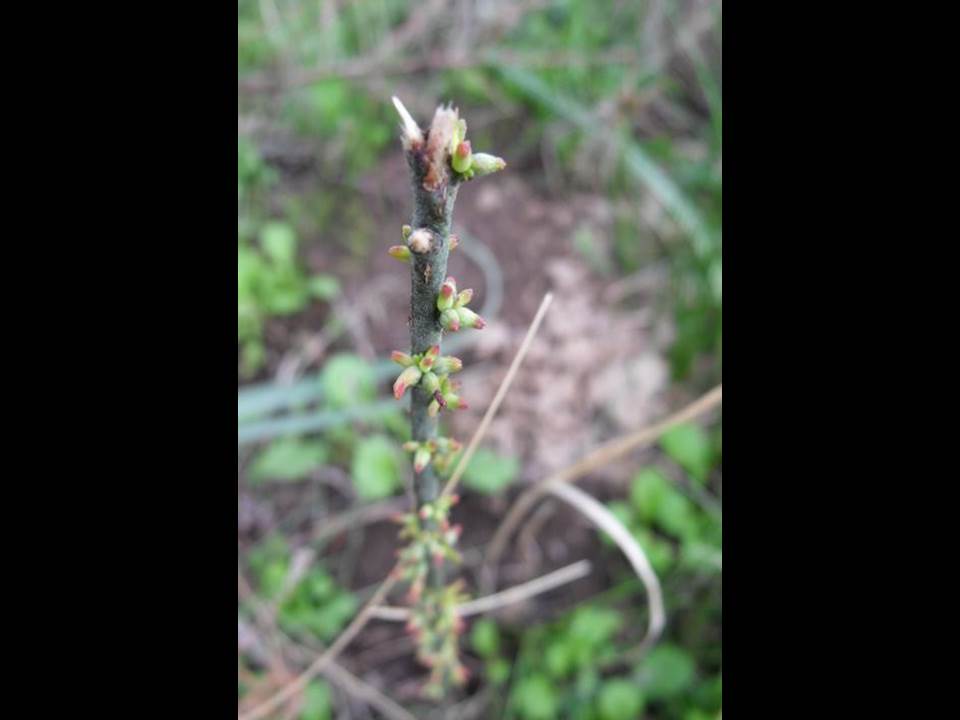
429	358
447	295
450	320
425	512
401	358
454	241
399	252
479	323
408	378
462	157
421	459
461	675
457	529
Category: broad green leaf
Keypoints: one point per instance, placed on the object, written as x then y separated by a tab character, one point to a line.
619	700
376	468
689	445
489	473
317	703
288	459
348	380
535	699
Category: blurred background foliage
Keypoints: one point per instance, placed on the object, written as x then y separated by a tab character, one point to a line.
615	104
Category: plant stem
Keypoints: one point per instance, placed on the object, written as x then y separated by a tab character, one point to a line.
432	210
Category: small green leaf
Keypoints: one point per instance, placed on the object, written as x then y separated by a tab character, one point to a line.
279	242
668	671
317	703
559	657
647	491
689	445
535	698
619	700
288	459
489	473
498	671
325	287
592	626
347	380
485	638
376	468
677	516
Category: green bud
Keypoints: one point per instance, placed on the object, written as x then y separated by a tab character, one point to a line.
450	320
484	164
405	231
400	252
430	382
421	458
463	298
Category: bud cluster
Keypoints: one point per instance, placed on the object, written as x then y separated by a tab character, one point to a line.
427	369
467	163
440	450
454	313
437	626
434	621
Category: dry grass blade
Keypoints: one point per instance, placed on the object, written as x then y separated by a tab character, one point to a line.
608	522
517	593
500	395
598	458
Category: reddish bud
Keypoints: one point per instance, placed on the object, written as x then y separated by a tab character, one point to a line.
409	377
401	358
